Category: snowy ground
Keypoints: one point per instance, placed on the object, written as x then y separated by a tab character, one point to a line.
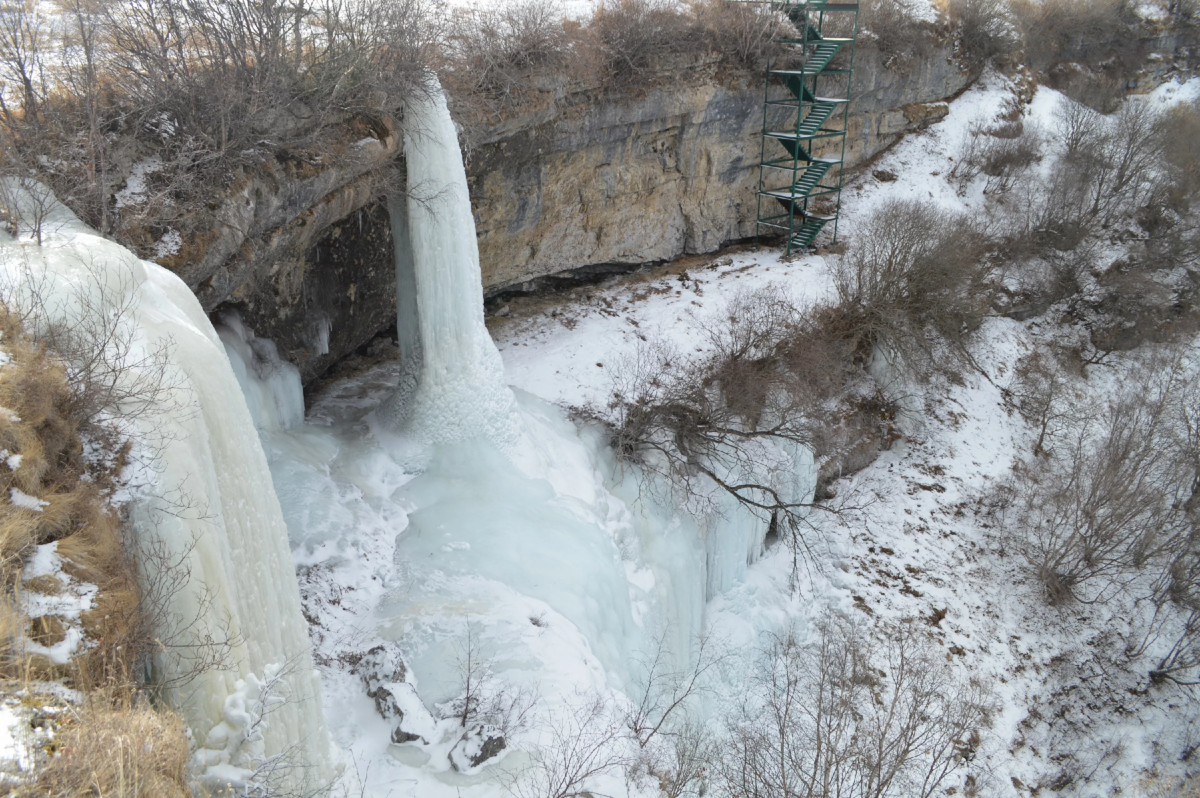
562	604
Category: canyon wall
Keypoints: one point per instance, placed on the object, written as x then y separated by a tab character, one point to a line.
586	181
582	180
589	182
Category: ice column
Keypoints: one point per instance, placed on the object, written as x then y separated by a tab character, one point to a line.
452	385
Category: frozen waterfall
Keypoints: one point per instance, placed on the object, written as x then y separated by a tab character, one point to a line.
452	386
235	640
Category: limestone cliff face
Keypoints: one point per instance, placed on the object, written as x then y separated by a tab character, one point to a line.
582	182
295	245
589	181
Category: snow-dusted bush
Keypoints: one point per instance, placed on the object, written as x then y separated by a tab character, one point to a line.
856	713
915	281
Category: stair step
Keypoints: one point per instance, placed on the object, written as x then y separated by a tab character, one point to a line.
817	116
808	231
804	184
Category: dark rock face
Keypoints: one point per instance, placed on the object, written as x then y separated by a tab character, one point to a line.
339	295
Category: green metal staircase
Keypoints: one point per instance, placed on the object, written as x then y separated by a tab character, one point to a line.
804	133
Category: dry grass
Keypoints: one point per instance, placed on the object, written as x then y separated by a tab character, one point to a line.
116	744
118	749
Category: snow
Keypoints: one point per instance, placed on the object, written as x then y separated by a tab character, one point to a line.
170	244
67	603
22	499
136	187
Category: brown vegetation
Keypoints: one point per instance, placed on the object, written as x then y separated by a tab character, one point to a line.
114	743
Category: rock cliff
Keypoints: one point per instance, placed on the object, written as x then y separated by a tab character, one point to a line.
592	181
584	181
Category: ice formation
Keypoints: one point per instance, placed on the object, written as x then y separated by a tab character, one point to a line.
207	519
452	387
271	385
519	527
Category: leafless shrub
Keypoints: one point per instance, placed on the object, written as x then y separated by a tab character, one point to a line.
1170	219
1180	661
634	35
684	764
728	422
1003	158
1107	506
115	379
1108	168
914	278
742	32
24	47
891	28
853	715
483	698
498	52
583	740
664	694
1056	30
1042	393
983	28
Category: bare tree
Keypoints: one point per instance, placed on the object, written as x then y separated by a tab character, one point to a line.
852	716
1042	394
664	694
584	740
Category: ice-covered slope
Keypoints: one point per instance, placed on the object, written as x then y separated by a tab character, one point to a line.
207	520
511	527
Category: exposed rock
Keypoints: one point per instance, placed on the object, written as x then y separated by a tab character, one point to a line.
603	181
297	245
477	746
379	668
333	299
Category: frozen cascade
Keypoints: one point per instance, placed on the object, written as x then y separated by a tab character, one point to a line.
209	505
271	385
452	387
